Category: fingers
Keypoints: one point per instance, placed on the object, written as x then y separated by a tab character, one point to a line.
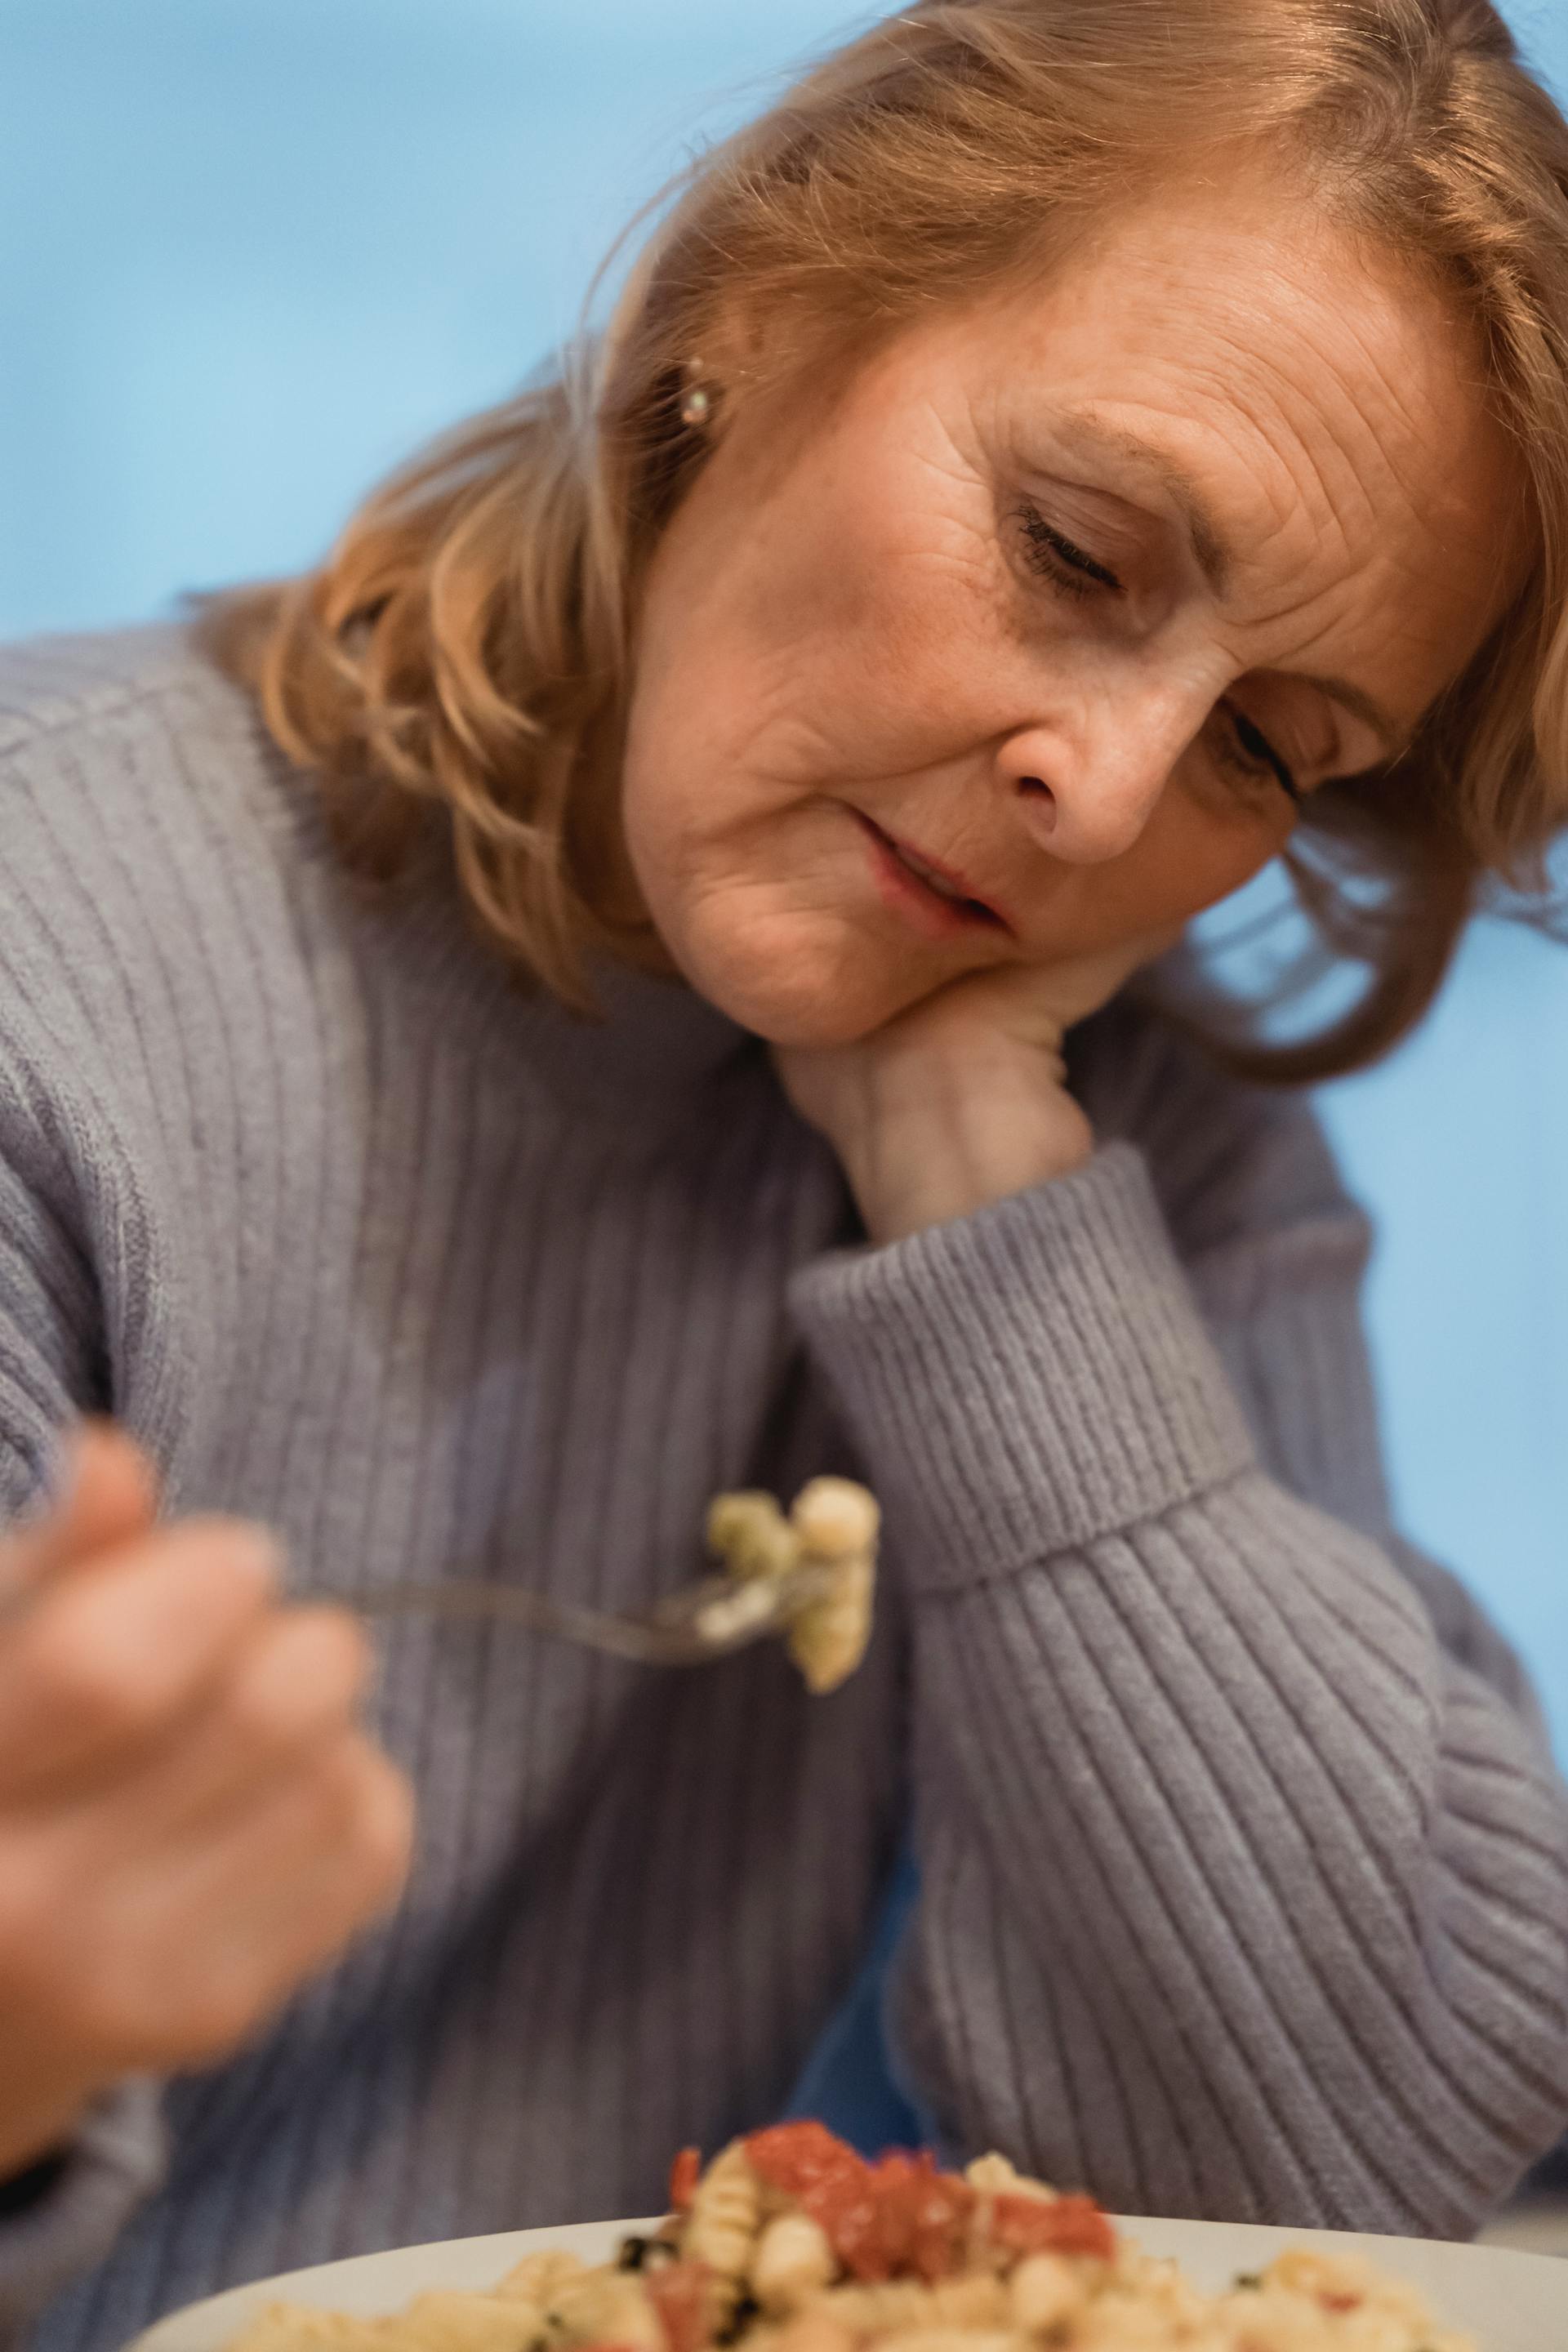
165	1953
108	1494
294	1692
212	1936
326	1859
106	1662
1048	998
192	1818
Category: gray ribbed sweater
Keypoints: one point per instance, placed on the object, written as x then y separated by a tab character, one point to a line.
1244	1871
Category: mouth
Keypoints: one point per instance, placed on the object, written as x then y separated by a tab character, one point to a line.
932	895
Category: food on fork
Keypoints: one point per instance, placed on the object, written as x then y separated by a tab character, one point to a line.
789	2242
832	1526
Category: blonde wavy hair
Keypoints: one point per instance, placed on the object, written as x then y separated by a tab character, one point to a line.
467	642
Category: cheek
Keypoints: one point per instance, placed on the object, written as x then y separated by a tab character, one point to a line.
1201	855
1185	859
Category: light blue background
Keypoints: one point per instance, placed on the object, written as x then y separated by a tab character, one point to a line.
251	251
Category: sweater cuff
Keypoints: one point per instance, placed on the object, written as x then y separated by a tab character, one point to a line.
1027	1379
116	2160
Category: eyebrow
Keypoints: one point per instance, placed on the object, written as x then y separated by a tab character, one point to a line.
1217	560
1215	557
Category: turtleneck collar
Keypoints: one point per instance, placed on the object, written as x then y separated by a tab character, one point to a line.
657	1044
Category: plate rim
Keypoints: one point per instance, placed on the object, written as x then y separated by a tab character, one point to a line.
245	2298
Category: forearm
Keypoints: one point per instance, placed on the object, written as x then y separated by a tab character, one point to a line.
1297	1881
1201	1790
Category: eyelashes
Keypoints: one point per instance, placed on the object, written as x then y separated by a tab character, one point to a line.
1075	573
1263	754
1055	557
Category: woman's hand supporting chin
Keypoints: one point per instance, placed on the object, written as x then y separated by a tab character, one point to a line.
964	1099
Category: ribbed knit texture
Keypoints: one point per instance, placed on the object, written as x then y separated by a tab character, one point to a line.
1244	1869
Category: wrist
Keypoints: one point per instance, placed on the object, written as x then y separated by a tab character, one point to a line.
907	1179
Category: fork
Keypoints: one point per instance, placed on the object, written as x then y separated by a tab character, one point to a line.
706	1618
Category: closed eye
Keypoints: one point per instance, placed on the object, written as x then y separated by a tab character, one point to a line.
1259	749
1057	558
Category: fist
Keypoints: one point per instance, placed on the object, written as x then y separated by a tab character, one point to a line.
193	1818
963	1099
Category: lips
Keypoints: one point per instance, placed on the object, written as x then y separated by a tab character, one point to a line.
937	897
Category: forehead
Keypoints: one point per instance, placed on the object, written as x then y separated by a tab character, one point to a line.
1330	407
1267	341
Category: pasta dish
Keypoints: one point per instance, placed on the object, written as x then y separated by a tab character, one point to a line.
788	2241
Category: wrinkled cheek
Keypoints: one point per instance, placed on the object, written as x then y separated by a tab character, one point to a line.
1199	856
1266	844
1173	874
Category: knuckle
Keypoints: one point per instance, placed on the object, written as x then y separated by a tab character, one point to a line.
336	1652
76	1679
366	1814
243	1556
299	1684
262	1717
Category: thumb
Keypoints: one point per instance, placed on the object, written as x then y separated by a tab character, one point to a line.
107	1494
1076	990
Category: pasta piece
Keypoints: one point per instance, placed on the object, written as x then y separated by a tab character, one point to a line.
1341	2282
538	2276
297	2327
1044	2290
834	1526
602	2306
722	2225
1117	2322
837	1524
993	2176
836	1519
956	2339
810	2331
880	2309
830	1637
445	2320
751	1534
792	2261
974	2299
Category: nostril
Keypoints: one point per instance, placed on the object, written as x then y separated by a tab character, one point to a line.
1036	788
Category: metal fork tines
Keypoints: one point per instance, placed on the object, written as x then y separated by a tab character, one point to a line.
705	1619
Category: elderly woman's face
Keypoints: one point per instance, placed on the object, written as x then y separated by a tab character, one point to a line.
1018	648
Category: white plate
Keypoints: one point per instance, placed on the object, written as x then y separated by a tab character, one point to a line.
1509	2301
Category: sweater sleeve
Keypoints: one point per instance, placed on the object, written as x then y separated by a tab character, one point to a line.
1244	1864
50	1370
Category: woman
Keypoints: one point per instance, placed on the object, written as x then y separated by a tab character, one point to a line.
1063	458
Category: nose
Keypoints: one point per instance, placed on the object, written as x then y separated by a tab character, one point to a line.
1086	791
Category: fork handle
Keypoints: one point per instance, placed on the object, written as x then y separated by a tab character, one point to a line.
475	1598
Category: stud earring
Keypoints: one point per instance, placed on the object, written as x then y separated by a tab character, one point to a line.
697	402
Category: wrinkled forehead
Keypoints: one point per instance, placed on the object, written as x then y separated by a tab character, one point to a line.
1331	408
1305	344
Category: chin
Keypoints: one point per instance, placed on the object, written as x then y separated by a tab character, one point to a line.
795	982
